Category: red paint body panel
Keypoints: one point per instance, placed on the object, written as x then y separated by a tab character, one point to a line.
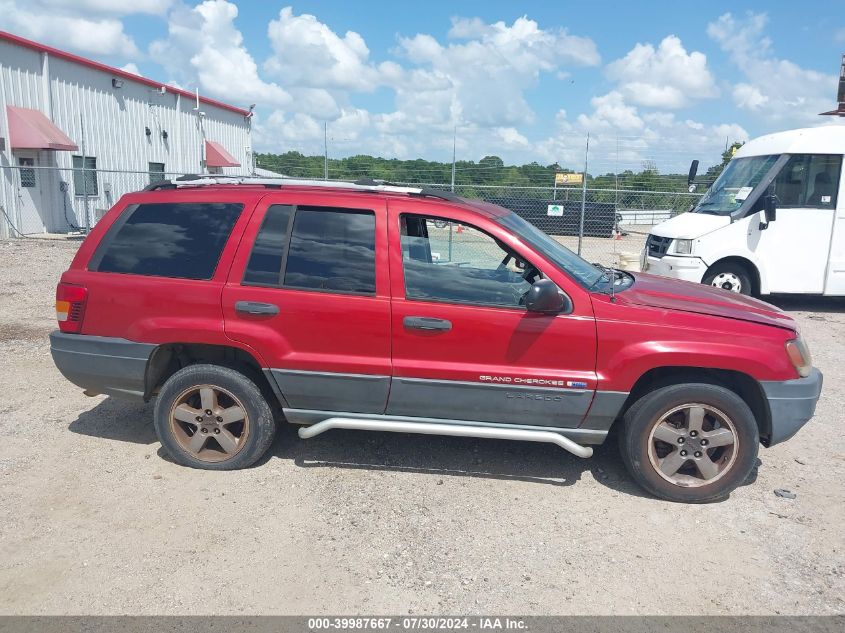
315	331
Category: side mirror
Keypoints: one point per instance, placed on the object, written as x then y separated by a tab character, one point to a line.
545	297
770	210
693	170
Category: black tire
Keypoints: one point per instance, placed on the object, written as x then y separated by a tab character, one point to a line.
259	417
647	412
729	274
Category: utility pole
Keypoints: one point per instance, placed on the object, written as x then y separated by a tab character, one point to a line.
326	150
84	178
454	146
583	195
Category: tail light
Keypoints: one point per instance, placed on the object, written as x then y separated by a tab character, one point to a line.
70	306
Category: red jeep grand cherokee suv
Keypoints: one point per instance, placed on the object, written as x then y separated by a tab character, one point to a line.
238	302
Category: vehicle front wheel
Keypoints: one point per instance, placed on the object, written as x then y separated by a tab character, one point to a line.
213	417
690	443
730	276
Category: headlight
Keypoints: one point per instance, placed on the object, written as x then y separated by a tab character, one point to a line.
683	247
799	354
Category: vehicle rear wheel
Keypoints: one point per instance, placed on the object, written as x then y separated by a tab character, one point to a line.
731	276
691	443
213	417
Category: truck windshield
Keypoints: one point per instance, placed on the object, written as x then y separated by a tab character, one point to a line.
735	184
565	259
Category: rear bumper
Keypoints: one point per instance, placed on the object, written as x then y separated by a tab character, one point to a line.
792	403
685	268
111	366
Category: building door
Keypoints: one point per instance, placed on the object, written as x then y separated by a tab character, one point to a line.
29	192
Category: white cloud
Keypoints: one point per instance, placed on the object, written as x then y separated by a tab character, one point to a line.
780	91
307	52
66	26
204	47
611	112
663	77
131	68
482	78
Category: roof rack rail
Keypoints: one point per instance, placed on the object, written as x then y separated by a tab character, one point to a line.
362	184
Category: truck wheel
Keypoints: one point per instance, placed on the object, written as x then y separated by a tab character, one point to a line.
730	276
691	443
213	417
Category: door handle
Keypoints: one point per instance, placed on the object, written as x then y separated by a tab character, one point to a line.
430	324
256	307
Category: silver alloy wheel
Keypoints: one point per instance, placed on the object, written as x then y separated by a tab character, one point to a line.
727	281
693	445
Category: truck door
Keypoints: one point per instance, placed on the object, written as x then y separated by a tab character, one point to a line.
794	249
309	292
464	346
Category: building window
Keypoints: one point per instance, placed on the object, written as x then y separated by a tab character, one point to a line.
85	182
27	172
156	172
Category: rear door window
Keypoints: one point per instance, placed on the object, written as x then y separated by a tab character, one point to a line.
332	250
178	240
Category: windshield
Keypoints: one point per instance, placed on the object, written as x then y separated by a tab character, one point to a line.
561	256
735	184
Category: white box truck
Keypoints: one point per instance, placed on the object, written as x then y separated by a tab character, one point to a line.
772	222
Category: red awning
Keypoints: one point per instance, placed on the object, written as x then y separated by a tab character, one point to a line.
30	129
216	156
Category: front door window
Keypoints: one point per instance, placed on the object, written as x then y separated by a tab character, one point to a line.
809	180
456	263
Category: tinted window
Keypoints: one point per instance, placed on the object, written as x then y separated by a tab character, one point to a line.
333	250
265	262
456	263
168	240
809	181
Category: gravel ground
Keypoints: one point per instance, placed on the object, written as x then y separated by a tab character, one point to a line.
95	520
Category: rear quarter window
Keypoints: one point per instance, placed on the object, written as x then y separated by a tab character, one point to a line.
178	240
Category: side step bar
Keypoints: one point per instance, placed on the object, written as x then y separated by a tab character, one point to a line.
458	430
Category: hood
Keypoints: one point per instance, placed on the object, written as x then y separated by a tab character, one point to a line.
689	226
673	294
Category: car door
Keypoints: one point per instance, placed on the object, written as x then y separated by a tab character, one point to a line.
464	347
795	247
309	292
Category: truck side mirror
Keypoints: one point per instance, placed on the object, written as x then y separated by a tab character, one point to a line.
693	170
545	297
770	210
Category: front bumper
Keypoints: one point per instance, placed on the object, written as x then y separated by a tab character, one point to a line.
100	364
685	268
792	403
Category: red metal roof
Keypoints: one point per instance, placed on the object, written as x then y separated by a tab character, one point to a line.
115	72
217	156
30	129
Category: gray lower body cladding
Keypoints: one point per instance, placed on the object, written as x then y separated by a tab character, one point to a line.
111	366
792	403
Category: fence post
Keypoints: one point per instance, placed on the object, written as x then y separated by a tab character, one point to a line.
583	195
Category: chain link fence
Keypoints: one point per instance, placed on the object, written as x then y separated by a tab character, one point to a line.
599	223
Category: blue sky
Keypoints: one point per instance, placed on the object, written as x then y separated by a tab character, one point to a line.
660	81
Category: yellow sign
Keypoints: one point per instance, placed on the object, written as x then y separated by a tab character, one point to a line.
568	179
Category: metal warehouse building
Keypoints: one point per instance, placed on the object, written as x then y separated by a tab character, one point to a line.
75	135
